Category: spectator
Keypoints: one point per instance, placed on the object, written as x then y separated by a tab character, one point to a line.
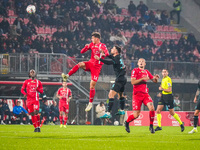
177	103
13	32
18	22
6	111
4	25
177	10
54	111
100	110
132	8
46	112
20	112
142	8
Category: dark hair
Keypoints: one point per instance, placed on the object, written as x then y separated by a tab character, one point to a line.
118	48
101	103
97	35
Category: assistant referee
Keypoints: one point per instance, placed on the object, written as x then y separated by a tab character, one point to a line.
166	99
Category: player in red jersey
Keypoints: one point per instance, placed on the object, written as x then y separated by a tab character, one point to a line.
64	94
139	78
33	86
93	65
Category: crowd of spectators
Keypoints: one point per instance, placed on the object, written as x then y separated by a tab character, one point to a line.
76	20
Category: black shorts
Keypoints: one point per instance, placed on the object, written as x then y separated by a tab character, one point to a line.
167	100
119	86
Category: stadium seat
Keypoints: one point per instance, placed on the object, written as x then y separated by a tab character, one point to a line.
41	30
12	20
174	36
138	13
77	8
152	35
162	35
47	30
122	32
157	36
11	13
168	36
179	35
53	30
54	1
26	21
145	34
127	34
11	104
121	18
171	29
46	6
159	43
166	28
159	28
124	12
1	19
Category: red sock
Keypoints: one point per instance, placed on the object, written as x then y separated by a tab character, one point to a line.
33	120
130	118
61	119
151	116
92	94
38	120
65	120
73	70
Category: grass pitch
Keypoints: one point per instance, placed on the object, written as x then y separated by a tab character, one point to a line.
96	137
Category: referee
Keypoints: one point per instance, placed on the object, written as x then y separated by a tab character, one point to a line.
166	99
120	81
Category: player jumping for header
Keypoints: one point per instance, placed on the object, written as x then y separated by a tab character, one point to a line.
93	65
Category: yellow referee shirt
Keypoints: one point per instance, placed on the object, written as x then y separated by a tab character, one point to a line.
165	84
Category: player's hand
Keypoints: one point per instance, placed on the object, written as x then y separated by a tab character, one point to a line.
96	57
87	45
195	100
160	88
145	78
157	76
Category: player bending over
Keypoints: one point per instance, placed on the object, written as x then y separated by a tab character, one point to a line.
93	65
166	99
64	94
33	86
196	113
139	78
120	81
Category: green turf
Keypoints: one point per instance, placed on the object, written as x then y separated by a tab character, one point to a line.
96	137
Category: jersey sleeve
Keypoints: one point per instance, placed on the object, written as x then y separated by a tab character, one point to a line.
23	88
104	48
134	74
58	92
39	87
85	49
169	82
150	75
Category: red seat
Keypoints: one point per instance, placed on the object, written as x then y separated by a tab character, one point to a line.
12	20
121	18
11	104
162	36
46	6
47	30
166	28
53	30
41	30
171	29
77	8
11	13
159	28
157	36
174	36
124	12
122	32
159	43
168	36
127	34
179	35
1	19
152	35
26	21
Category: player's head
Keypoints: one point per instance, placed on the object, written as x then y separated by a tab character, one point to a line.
64	84
165	72
96	36
116	50
141	63
32	74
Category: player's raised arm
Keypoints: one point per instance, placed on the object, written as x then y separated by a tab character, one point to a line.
107	62
85	49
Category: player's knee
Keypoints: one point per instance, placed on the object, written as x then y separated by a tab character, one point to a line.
158	111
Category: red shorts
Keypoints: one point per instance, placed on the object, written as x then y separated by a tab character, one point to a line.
94	69
64	107
32	105
140	98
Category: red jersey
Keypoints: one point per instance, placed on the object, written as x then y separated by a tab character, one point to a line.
65	93
32	88
141	87
96	50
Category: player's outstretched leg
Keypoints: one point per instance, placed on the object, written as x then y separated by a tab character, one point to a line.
130	118
179	121
151	117
71	72
127	127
